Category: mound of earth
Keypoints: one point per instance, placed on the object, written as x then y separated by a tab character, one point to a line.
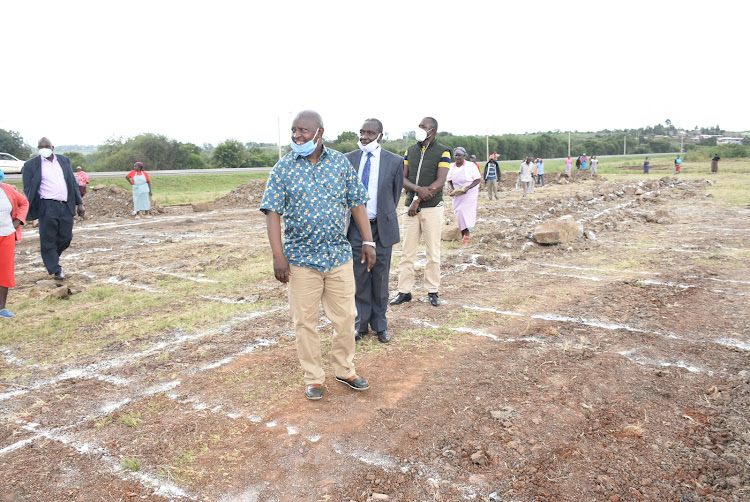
247	195
111	201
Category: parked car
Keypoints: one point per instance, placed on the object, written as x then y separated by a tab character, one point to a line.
9	164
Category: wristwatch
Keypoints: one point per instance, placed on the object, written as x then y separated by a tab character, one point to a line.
368	243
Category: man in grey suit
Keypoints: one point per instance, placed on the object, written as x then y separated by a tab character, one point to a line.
52	190
382	174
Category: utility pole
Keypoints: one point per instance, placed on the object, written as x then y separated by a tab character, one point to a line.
625	145
568	143
278	128
488	146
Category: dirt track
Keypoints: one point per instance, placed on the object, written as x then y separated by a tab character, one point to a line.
606	369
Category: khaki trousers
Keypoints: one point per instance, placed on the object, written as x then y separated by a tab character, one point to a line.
428	221
335	289
527	187
492	189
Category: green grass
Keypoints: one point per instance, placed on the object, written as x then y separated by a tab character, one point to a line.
185	189
105	314
130	464
131	419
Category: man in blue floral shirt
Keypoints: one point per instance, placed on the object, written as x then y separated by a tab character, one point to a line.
312	188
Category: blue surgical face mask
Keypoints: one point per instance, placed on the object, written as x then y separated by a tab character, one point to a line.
306	148
2	176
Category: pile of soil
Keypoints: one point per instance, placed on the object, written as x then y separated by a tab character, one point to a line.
111	201
247	195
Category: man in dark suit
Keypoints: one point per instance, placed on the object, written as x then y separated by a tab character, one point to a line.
53	194
382	174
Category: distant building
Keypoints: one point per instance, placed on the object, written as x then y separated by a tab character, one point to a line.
724	140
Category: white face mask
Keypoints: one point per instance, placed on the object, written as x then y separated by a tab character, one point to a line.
45	152
420	134
369	147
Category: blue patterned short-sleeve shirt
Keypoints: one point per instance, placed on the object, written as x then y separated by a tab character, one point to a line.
313	200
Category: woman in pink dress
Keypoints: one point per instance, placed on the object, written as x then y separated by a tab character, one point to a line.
463	179
568	164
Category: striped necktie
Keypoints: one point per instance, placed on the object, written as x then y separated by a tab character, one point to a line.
366	172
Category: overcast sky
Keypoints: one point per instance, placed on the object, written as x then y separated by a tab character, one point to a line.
81	72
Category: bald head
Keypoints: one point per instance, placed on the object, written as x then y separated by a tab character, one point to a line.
45	143
310	116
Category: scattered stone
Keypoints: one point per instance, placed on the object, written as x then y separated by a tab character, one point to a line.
200	207
660	216
414	434
380	496
478	458
506	413
61	293
561	230
47	283
451	232
589	235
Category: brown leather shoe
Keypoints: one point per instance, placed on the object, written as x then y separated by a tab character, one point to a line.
314	391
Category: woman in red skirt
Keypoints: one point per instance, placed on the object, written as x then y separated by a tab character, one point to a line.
13	210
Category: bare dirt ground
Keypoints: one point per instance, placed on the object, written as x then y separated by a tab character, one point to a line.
613	368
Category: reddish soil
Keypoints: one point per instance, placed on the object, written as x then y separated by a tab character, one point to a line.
613	368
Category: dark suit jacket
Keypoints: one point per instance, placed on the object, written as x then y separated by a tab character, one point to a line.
32	179
390	183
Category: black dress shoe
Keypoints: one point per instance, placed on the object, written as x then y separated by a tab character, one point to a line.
358	336
434	299
60	275
355	382
401	298
314	391
384	336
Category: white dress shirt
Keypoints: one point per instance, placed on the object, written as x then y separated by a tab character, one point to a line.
372	186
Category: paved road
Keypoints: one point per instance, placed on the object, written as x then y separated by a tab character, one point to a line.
167	172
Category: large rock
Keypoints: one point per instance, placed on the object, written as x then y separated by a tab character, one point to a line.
557	231
451	232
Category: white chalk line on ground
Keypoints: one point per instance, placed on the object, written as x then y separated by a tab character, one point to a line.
164	272
628	354
723	341
163	488
516	269
95	370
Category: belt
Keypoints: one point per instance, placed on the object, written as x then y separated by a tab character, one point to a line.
373	220
55	200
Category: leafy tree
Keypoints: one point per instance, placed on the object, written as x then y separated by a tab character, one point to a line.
349	136
195	161
76	159
230	153
262	157
11	142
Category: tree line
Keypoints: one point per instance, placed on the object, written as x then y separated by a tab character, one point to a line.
156	151
159	152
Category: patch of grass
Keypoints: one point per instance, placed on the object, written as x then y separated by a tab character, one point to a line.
130	464
185	189
104	421
131	419
185	458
